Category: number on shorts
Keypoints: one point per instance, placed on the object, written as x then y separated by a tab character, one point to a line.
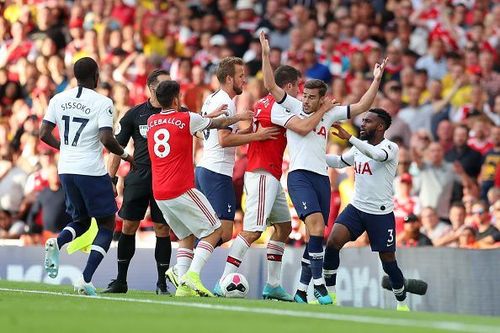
161	143
391	236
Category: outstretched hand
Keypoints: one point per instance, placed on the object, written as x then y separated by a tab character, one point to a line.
341	132
328	104
378	71
245	115
264	43
221	110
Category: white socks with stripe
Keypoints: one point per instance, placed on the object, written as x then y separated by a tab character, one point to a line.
202	253
236	254
275	251
184	259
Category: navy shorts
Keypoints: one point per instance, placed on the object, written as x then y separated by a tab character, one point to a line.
310	193
219	191
88	196
380	228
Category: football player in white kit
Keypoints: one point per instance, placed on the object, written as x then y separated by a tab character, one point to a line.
308	182
85	122
375	160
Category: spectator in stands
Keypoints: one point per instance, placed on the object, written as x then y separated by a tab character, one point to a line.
457	219
432	227
490	162
10	228
12	182
435	179
479	139
50	203
469	159
467	239
416	115
411	235
404	203
482	221
435	62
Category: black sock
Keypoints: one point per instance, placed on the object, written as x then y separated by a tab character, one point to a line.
126	250
396	278
100	247
163	250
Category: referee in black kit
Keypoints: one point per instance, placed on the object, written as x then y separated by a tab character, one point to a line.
138	193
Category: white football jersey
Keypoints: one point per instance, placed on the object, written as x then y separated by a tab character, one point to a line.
79	113
307	152
215	158
374	180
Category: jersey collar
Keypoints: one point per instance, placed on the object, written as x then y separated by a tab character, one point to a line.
169	111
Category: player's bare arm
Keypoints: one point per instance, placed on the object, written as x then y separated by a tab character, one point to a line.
267	70
47	136
373	152
221	110
306	125
229	139
367	100
108	140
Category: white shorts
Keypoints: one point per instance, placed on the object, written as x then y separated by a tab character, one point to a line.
190	213
265	201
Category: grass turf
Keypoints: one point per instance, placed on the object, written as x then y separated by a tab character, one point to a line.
49	308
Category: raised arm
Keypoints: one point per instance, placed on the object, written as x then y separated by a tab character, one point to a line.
367	99
267	70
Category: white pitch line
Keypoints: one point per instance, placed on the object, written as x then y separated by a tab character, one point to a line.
443	325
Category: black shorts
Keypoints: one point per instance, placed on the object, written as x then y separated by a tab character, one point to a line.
138	195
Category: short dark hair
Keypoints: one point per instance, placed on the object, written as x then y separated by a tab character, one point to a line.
286	74
457	204
317	84
227	68
85	69
166	92
153	77
384	115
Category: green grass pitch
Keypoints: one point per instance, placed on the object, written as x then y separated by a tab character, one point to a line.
34	307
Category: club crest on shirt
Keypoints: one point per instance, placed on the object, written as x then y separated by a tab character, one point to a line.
143	129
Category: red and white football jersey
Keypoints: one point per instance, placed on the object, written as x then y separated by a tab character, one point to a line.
170	145
268	154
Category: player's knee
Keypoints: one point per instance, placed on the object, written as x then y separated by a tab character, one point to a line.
226	235
107	222
161	230
251	236
130	227
85	222
282	230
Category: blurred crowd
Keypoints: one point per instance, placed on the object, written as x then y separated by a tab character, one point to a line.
441	86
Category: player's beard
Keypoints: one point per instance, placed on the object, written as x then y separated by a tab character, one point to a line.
237	90
367	135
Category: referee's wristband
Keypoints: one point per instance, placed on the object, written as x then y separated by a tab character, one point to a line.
114	180
124	155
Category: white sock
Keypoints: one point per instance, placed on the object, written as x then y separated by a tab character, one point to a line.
319	282
184	259
403	302
331	289
236	255
202	253
302	287
275	251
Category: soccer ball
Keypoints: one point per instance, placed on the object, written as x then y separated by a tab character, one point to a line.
234	285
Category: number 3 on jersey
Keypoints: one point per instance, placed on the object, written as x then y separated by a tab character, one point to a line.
161	147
